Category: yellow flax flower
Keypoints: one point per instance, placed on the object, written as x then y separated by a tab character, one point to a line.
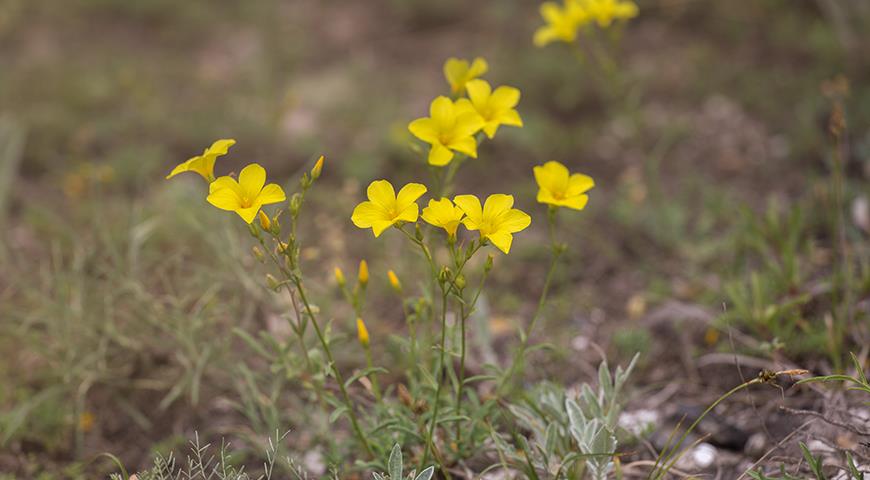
384	208
563	21
560	188
450	127
443	214
497	221
604	12
204	164
363	275
459	72
247	195
362	333
494	107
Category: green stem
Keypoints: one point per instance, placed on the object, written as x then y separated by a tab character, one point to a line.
373	376
463	316
433	423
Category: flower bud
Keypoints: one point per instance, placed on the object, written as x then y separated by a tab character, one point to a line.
318	167
363	273
272	282
339	277
444	274
258	254
295	204
362	333
265	223
460	281
394	281
418	233
488	265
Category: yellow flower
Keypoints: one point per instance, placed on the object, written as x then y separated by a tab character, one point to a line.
443	214
497	221
362	333
246	195
604	12
363	275
559	188
450	127
459	72
562	22
495	107
204	164
339	277
318	167
394	280
384	208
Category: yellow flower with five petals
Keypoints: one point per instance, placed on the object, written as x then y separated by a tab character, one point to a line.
560	188
385	208
494	107
563	21
450	127
459	72
443	214
247	195
497	221
204	164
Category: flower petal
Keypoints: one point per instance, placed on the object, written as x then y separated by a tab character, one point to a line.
552	176
425	129
502	240
409	213
439	155
441	111
510	117
408	195
467	124
470	204
466	145
367	214
382	194
578	183
271	193
478	68
497	204
504	98
514	221
220	147
225	199
248	214
455	71
577	203
251	179
479	92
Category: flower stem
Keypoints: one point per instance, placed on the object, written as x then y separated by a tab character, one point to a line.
438	372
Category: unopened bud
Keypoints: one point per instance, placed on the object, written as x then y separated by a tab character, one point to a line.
488	265
394	281
460	281
295	204
272	282
318	167
444	274
363	273
339	277
362	333
258	254
418	233
265	223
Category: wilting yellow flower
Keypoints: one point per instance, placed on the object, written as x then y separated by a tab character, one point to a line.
362	333
265	223
563	21
318	167
384	208
246	195
443	214
560	188
339	277
363	275
459	72
394	280
450	127
497	221
604	12
204	164
494	107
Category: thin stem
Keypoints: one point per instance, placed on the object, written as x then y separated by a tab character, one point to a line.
432	423
372	376
463	316
338	377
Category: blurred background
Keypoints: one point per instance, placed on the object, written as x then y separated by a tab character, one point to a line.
712	223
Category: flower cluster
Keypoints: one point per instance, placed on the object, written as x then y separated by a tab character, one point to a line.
566	20
245	196
453	123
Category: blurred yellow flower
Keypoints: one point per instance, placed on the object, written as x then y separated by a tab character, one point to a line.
384	208
443	214
362	332
363	275
494	107
459	72
563	21
86	422
450	127
497	221
204	164
318	167
394	280
339	277
247	195
560	188
604	12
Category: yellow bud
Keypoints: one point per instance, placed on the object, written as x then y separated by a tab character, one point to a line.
318	167
258	254
339	277
363	273
394	281
264	221
362	333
